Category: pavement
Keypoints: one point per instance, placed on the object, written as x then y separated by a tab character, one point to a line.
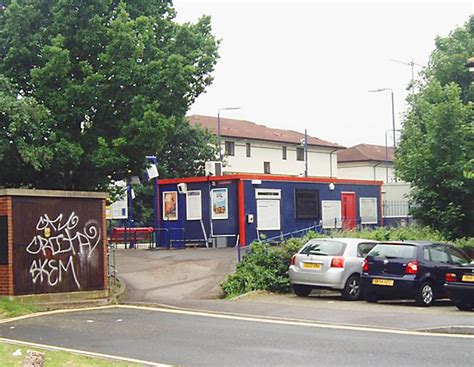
189	279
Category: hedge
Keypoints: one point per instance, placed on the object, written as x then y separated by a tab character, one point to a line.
265	267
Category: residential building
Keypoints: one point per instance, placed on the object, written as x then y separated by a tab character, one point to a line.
248	147
366	162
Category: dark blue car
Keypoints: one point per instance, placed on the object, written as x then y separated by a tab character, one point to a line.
411	269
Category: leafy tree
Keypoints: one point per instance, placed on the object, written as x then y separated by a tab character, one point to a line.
115	78
436	151
184	155
27	143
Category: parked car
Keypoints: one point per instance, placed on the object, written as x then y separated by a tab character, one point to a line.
329	263
460	286
412	269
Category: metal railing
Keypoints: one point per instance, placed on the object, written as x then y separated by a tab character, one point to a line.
395	208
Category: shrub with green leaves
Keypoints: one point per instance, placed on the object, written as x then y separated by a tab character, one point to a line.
265	267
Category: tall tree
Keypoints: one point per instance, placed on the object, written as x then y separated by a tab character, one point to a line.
436	151
115	77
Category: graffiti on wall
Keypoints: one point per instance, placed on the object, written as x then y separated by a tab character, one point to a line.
60	244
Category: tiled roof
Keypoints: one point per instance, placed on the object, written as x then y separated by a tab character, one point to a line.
249	130
365	152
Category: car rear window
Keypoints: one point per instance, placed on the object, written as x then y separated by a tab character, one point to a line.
324	248
393	251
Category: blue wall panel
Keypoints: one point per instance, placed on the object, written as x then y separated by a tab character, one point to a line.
230	226
288	220
192	228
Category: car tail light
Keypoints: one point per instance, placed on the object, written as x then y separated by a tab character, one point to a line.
337	262
293	260
365	266
451	277
412	267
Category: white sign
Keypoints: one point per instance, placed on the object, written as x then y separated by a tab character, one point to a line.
118	209
268	214
152	172
331	213
368	210
193	205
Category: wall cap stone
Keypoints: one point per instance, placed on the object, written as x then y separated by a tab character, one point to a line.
54	193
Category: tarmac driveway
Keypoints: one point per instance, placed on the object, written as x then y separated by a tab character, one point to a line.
167	276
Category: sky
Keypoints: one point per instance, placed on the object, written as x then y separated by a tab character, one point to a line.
309	64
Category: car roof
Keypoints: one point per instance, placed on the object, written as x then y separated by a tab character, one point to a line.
346	239
416	242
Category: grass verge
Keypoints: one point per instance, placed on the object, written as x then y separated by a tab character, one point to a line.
13	308
54	358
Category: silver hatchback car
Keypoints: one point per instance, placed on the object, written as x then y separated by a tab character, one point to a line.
330	263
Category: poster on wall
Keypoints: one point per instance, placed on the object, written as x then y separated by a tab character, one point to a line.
368	210
220	204
170	205
268	215
193	205
331	213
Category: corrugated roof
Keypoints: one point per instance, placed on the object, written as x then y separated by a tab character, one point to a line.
249	130
365	152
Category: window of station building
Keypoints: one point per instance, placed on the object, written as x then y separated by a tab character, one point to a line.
307	204
229	148
299	154
266	168
247	149
283	153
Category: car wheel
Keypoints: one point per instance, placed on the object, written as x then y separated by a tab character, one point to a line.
351	291
301	290
371	297
463	306
425	295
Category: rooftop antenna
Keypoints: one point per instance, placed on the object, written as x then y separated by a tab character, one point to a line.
412	65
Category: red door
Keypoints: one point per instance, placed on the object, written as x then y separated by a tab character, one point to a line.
348	210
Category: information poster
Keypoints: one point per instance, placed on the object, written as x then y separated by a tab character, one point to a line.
331	213
268	215
220	204
170	205
368	210
193	205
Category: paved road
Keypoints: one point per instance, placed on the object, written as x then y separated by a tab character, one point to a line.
190	278
162	276
170	337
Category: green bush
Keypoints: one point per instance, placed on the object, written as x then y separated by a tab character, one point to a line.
265	267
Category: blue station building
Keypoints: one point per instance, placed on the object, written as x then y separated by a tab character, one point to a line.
231	210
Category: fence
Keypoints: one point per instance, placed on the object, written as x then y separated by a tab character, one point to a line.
396	208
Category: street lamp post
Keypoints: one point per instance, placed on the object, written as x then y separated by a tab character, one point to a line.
393	112
219	128
305	153
386	155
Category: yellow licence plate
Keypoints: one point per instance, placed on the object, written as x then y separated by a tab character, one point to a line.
387	282
311	266
467	278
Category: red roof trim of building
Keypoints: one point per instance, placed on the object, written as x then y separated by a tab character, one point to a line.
268	178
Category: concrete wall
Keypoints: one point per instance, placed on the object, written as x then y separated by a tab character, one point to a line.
396	191
320	162
366	171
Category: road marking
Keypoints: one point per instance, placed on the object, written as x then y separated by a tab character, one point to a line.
240	317
83	352
305	323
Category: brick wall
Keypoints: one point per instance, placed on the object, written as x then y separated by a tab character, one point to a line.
104	244
6	271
